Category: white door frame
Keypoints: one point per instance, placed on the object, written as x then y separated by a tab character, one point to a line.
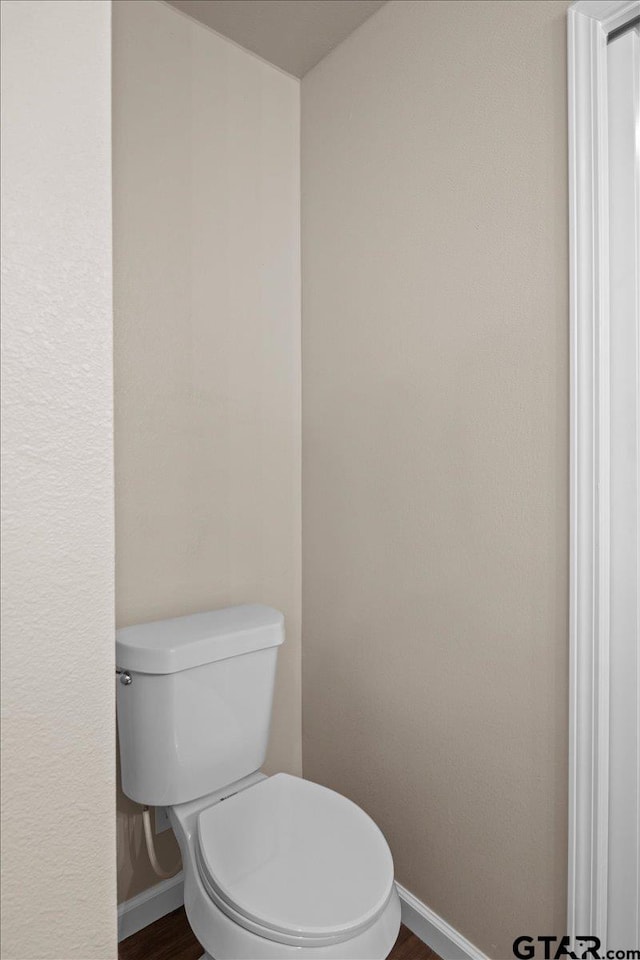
589	23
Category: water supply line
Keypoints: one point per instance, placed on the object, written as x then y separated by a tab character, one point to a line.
151	847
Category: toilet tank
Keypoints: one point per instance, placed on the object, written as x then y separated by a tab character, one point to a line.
195	715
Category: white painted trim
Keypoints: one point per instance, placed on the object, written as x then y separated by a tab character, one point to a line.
163	898
589	22
434	931
150	905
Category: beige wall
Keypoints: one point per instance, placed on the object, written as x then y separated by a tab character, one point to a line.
207	345
58	757
436	450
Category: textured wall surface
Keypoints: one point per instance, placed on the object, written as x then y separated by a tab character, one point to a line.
207	346
58	791
435	454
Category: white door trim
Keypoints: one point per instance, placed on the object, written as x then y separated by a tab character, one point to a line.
589	23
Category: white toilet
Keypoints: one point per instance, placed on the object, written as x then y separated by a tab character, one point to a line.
274	867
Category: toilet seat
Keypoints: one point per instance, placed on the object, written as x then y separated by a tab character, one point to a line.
294	862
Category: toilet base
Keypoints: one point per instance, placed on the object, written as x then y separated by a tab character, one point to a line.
232	942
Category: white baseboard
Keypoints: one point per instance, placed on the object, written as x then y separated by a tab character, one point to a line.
157	901
434	931
149	906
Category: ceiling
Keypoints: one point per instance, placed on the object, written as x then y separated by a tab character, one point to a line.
292	34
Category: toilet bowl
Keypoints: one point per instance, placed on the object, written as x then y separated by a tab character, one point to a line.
275	867
286	868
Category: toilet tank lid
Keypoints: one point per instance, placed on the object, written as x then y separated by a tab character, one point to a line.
168	646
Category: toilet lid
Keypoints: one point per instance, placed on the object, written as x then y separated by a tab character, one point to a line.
295	862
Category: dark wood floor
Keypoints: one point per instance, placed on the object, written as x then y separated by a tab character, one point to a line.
170	938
